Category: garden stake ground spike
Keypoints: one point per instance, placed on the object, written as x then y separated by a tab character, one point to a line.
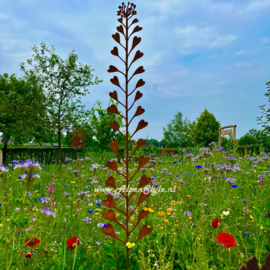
125	12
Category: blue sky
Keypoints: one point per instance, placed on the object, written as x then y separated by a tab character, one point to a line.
197	54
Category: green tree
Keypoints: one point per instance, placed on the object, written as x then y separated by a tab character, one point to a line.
178	132
206	129
64	85
100	125
247	139
21	107
265	112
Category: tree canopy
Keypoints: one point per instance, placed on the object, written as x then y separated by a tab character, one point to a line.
206	129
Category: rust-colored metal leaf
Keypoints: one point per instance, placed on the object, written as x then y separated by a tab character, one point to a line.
113	109
114	145
143	214
252	264
113	95
114	125
143	160
134	21
144	181
114	51
120	20
139	111
135	42
115	81
136	29
108	202
138	95
111	182
140	83
143	232
116	37
141	143
121	29
109	215
112	165
138	55
142	124
77	139
266	266
109	230
139	70
112	69
143	197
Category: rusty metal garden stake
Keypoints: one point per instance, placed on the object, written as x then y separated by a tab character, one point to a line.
127	13
77	142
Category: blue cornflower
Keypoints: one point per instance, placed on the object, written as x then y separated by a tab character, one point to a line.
245	234
198	166
154	163
105	225
40	198
162	162
98	204
66	162
19	177
93	163
90	211
174	162
0	204
234	186
65	185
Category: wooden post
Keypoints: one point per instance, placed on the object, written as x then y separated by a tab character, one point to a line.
1	157
219	140
234	139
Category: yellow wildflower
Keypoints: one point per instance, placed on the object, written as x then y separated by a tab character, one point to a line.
161	228
190	218
166	220
130	245
161	214
251	217
72	182
75	203
117	215
169	214
169	210
150	210
188	196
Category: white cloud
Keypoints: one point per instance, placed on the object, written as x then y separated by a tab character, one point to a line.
239	53
265	40
193	36
241	65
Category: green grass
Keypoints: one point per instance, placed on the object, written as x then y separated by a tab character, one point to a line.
177	241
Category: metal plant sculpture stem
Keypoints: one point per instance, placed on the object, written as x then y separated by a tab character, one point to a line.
77	142
127	13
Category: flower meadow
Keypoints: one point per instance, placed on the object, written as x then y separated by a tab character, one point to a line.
213	213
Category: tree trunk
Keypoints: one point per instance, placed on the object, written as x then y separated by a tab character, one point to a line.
5	153
59	149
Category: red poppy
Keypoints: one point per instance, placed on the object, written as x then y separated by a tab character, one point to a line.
32	243
226	239
72	242
28	255
215	223
169	151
